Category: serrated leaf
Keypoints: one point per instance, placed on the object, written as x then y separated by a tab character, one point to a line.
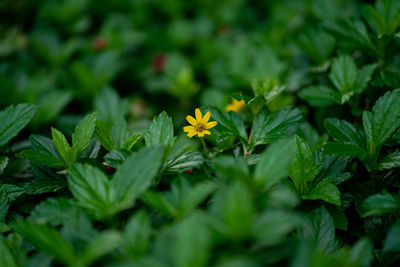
83	132
347	140
161	131
184	162
13	119
268	128
304	167
382	122
91	188
3	164
319	228
390	161
379	204
229	124
326	191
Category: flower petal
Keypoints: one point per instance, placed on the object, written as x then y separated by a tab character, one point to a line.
207	132
191	120
200	134
191	134
211	124
206	118
198	115
189	129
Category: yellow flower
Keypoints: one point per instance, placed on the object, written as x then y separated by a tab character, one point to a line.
200	125
235	106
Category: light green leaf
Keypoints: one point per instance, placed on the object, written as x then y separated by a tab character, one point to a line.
13	119
83	132
136	174
101	245
92	189
326	191
273	163
161	131
268	128
304	167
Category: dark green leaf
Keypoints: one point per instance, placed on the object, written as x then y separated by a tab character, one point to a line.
379	204
83	132
13	119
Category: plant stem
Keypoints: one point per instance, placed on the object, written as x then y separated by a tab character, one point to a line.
204	146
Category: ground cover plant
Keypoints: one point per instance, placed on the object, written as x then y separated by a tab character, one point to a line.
199	133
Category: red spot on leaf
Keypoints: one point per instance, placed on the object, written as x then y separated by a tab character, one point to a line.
158	62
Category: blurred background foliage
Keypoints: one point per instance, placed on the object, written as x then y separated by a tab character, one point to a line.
175	55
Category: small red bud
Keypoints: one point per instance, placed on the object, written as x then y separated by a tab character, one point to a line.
190	171
100	43
158	62
110	169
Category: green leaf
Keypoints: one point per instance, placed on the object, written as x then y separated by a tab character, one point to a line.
41	158
347	140
273	163
231	168
195	196
382	122
83	132
379	204
160	203
44	185
46	239
110	106
137	233
68	154
103	135
361	254
3	164
54	211
229	124
392	240
6	257
184	162
101	245
326	191
191	230
131	141
271	227
304	167
13	119
385	16
319	228
136	174
390	161
161	131
268	128
92	189
318	96
51	105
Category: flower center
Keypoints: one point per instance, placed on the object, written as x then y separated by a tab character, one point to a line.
200	127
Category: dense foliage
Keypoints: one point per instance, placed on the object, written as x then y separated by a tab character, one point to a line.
301	166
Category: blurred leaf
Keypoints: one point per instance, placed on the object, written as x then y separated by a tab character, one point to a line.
47	239
6	257
392	240
3	164
101	245
137	233
318	96
379	204
319	228
390	161
273	163
13	119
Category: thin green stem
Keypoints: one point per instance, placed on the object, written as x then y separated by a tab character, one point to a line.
204	146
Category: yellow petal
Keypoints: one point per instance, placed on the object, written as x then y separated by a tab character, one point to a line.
211	124
198	115
189	129
207	132
200	134
206	118
229	107
191	134
191	120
